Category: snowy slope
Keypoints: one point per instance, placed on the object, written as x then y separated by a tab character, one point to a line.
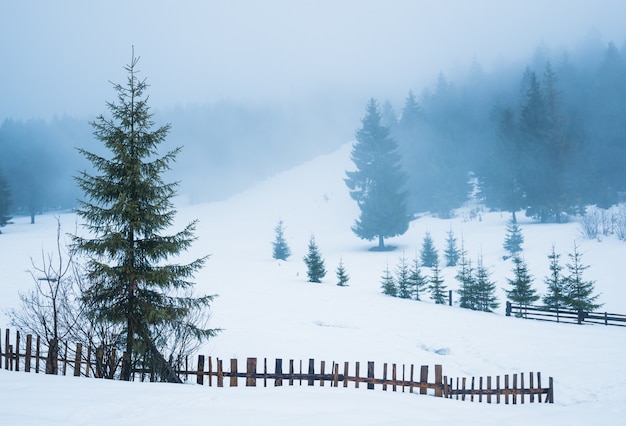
269	310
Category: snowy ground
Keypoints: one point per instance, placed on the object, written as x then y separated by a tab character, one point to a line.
269	310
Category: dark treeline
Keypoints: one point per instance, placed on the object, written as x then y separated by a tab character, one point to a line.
547	138
226	147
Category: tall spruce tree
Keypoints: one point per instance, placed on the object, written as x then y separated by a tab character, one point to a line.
316	269
127	208
467	282
452	252
417	282
403	279
522	291
280	248
513	239
388	283
485	288
580	295
556	295
377	184
429	254
342	275
437	287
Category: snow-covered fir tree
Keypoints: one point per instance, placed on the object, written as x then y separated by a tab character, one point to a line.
403	279
418	283
514	239
316	270
522	291
280	247
429	254
485	288
556	295
388	283
342	276
467	282
437	288
580	295
452	252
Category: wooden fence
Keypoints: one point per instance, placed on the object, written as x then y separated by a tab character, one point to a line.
565	315
488	389
28	356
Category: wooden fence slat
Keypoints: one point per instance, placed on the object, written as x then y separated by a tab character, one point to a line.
291	372
233	373
438	380
211	371
251	372
345	374
200	369
220	374
7	351
322	367
385	376
37	354
17	351
78	359
278	370
423	379
311	382
88	366
370	374
506	388
394	373
488	389
27	355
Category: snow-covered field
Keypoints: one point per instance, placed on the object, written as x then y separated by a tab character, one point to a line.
268	309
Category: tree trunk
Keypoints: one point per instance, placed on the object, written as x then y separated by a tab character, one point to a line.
381	242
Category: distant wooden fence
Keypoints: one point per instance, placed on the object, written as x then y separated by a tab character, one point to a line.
487	389
28	356
565	315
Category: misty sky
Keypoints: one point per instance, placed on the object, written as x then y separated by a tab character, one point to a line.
59	56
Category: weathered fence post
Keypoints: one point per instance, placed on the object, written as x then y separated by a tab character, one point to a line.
7	352
78	359
52	366
550	396
322	370
27	355
291	372
200	375
385	376
508	308
278	371
438	380
356	375
17	351
370	374
220	374
88	366
251	372
423	379
311	380
345	374
211	371
233	373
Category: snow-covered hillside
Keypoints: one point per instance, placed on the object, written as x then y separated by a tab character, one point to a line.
268	309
